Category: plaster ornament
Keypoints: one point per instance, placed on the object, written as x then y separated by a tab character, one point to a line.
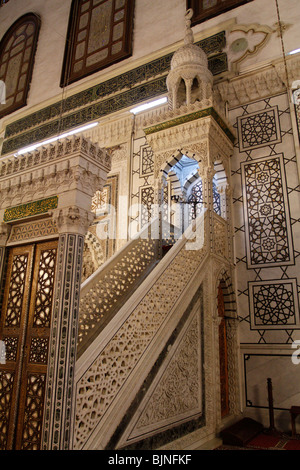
280	28
245	40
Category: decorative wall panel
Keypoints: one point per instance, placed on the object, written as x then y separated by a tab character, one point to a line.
147	201
258	129
274	304
146	160
37	229
266	212
266	217
142	191
176	392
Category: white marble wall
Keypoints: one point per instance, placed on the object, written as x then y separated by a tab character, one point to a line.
267	227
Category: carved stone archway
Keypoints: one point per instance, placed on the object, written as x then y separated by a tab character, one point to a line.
225	283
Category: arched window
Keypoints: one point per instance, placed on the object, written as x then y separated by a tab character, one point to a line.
99	34
17	50
205	9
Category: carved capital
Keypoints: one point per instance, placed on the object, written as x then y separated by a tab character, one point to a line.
206	173
73	219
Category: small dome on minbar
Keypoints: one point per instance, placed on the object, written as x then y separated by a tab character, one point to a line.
187	55
189	79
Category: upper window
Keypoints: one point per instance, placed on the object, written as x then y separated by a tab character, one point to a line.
205	9
99	34
17	50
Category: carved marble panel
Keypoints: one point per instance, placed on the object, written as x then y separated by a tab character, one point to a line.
176	393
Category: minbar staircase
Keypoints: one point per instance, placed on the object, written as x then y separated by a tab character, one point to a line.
139	371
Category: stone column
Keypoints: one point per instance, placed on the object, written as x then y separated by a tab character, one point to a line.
222	190
72	224
157	214
207	173
233	365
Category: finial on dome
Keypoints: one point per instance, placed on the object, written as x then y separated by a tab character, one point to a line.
189	36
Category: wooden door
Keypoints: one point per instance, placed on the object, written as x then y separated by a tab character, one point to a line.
223	355
25	330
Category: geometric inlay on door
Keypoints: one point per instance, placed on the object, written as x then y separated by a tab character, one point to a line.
25	329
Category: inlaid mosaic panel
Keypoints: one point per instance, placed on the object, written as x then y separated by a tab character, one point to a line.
142	190
146	160
258	129
268	239
265	198
147	201
274	304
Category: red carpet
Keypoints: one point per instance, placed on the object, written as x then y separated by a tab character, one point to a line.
264	440
267	441
293	444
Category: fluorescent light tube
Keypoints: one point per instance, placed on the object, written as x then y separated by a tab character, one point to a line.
54	139
293	52
145	106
